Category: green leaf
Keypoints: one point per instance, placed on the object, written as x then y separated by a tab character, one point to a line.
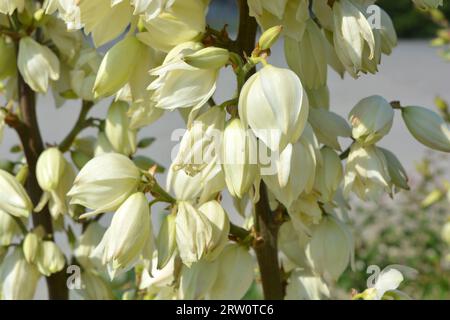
145	142
15	149
146	163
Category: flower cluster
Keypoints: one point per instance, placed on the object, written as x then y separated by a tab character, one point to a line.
275	146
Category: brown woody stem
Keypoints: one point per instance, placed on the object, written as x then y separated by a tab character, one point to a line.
30	137
266	226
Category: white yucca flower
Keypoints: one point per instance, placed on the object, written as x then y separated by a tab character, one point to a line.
306	286
235	274
372	119
9	229
9	6
83	74
201	143
366	172
308	56
274	105
13	198
180	85
197	279
68	11
117	129
128	238
105	182
352	32
427	127
331	248
50	168
50	258
193	233
328	127
183	21
329	174
239	158
292	242
95	287
118	66
295	169
291	14
18	278
37	64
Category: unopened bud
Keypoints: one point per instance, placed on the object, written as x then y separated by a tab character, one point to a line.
208	58
30	247
269	37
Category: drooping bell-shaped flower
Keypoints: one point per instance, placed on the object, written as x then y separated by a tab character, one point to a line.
18	278
117	129
105	182
427	127
37	64
129	236
239	158
13	198
273	104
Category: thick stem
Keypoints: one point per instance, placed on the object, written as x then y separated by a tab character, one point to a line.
33	146
266	227
266	248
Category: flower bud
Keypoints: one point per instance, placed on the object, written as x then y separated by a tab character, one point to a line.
49	259
50	168
273	104
95	287
117	129
220	226
331	248
128	237
105	182
427	127
239	158
306	286
208	58
9	229
30	247
193	233
371	119
7	58
308	57
269	37
396	171
366	173
37	64
13	198
18	278
117	66
329	174
235	274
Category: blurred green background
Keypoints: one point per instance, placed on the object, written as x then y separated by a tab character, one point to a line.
410	22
